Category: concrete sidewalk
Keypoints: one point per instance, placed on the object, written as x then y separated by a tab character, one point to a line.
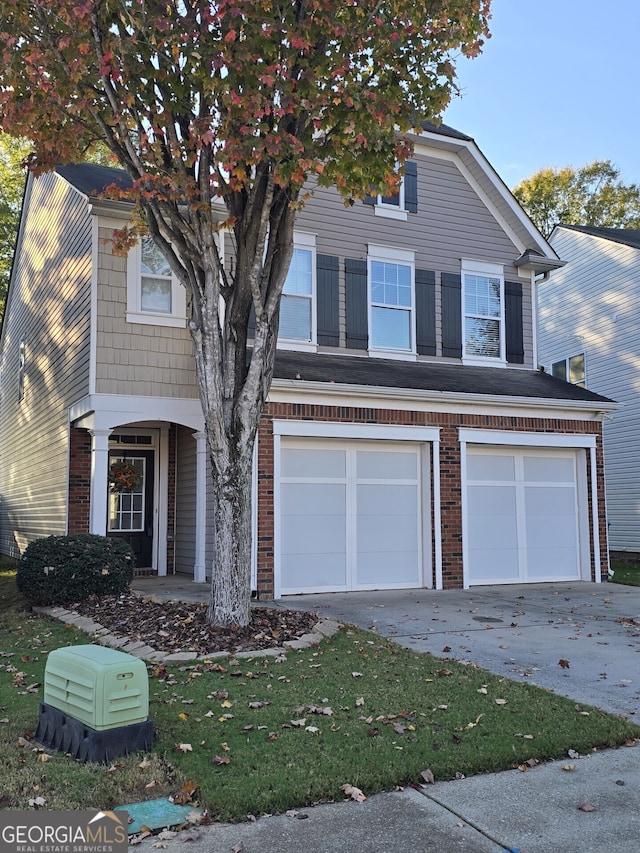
521	632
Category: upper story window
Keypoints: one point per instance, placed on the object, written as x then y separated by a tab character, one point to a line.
483	309
297	307
405	201
391	299
154	295
570	369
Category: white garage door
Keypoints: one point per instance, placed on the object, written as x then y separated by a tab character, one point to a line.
349	516
522	519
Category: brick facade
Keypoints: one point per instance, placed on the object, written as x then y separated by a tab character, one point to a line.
79	481
450	479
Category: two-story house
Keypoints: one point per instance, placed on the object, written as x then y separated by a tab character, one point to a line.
589	336
409	439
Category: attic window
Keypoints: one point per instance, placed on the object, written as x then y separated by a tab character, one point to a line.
570	370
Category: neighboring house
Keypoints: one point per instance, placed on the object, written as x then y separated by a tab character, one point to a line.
409	439
590	335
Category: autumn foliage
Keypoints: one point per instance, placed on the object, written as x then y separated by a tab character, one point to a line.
246	102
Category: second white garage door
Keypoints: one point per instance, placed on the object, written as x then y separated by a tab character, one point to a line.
522	516
350	516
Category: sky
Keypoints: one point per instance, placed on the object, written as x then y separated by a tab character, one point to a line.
556	85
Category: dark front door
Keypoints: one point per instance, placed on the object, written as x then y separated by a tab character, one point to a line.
131	501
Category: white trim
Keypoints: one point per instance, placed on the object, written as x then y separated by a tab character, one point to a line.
485	270
161	502
407	399
525	439
305	241
400	257
370	432
595	515
387	211
277	512
176	318
109	411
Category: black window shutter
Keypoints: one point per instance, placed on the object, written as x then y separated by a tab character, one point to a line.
370	199
327	283
426	312
513	322
411	186
451	315
356	303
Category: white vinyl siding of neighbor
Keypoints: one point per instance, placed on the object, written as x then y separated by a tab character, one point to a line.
50	309
592	306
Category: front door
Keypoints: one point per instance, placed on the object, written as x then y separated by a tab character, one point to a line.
131	475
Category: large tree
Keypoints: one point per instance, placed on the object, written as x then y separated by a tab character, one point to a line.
12	154
252	101
589	195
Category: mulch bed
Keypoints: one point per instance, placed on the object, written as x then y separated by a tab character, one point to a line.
171	627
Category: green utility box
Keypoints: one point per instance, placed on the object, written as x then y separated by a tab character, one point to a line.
98	686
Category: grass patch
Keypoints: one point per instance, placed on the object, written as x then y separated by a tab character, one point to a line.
625	572
262	736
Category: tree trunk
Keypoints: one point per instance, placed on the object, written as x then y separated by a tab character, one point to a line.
231	572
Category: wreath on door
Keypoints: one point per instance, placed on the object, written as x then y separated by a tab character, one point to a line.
123	477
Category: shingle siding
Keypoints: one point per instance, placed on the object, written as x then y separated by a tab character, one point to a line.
50	308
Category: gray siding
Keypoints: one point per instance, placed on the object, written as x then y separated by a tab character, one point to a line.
49	306
136	359
591	306
452	223
185	531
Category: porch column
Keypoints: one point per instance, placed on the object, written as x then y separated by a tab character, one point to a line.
199	568
99	480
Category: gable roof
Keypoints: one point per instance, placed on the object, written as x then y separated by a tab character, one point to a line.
435	377
92	180
626	236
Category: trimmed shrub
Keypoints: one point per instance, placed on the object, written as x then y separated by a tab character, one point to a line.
64	569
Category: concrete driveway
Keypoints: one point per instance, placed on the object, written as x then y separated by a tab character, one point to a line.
521	631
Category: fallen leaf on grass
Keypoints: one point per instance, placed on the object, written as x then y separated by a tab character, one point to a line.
185	794
184	747
501	701
37	801
144	763
428	777
444	672
221	759
354	793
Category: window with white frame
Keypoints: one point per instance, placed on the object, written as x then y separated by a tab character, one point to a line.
570	369
483	309
391	299
297	307
154	295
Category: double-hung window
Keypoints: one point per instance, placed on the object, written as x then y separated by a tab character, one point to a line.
297	307
483	309
391	299
154	295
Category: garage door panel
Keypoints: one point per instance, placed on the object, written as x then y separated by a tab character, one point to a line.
386	500
497	532
491	565
317	462
559	501
378	569
487	466
499	500
386	465
312	499
313	571
349	516
526	530
386	534
546	563
537	469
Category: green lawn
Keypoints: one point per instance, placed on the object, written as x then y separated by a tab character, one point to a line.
625	571
262	736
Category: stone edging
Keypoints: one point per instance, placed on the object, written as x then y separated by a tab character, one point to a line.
324	628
